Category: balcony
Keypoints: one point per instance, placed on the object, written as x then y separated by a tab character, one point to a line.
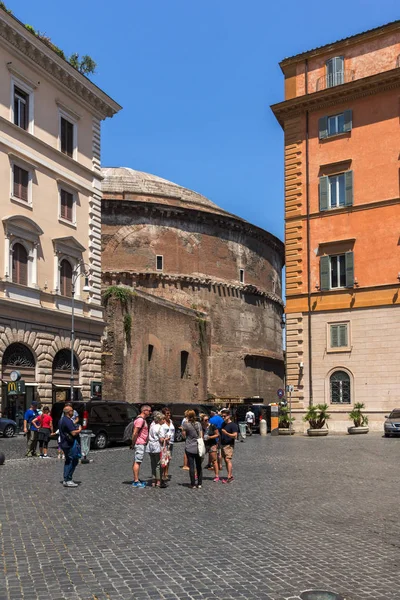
333	79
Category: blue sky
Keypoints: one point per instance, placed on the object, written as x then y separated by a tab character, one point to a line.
195	79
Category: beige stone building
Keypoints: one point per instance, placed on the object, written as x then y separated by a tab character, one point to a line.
50	199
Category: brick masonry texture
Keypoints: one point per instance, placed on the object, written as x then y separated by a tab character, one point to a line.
294	519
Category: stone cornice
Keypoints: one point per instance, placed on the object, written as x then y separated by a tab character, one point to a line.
333	212
119	207
13	33
339	94
132	277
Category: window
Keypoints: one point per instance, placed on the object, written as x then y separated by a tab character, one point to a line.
241	275
65	278
340	388
337	271
66	205
160	262
150	352
19	264
336	191
21	108
334	71
184	363
20	183
335	124
67	135
339	335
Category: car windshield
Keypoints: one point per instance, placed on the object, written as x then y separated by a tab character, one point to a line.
395	414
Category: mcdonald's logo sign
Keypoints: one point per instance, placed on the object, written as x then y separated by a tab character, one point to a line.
14	388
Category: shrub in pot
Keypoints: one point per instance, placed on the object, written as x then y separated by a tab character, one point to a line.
317	416
285	421
359	419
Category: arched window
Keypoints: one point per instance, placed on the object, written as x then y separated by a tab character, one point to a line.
19	264
18	355
340	388
65	278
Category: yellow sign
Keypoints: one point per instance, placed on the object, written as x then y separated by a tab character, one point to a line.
15	388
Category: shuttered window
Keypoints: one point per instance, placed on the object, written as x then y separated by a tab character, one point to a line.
335	124
65	278
339	335
336	191
67	205
19	264
67	137
21	182
335	71
337	271
21	108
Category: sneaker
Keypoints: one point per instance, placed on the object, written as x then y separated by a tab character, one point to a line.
138	484
70	484
199	487
216	479
45	456
228	480
41	456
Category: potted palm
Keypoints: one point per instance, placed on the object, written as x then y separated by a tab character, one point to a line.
285	421
317	416
359	419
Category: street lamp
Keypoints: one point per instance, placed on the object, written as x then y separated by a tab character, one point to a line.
76	273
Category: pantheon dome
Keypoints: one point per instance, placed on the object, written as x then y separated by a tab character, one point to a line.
206	306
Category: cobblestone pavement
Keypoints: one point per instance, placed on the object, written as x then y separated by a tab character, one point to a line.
301	514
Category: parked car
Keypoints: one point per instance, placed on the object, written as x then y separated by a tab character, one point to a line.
239	413
392	423
7	427
107	420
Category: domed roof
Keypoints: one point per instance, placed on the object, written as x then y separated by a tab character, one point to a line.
123	181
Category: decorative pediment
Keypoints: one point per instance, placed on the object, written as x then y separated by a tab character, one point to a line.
21	226
69	246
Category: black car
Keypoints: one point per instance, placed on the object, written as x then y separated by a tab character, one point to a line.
7	427
107	420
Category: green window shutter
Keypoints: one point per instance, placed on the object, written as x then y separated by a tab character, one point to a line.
342	336
348	120
348	178
334	336
323	128
323	193
349	261
324	266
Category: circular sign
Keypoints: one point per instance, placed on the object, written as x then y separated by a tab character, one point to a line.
15	375
280	393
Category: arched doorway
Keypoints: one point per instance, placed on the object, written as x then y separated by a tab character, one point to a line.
18	357
62	376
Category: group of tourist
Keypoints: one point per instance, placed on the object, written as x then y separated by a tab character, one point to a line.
213	435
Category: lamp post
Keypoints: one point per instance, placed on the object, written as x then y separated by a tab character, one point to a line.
76	273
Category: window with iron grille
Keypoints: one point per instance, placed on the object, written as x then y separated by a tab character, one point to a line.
67	137
20	183
65	278
19	264
340	388
66	205
21	108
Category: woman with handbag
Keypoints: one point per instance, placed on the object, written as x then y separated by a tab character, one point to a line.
167	431
154	448
44	423
194	448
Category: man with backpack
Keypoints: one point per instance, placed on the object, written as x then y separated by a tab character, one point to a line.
139	441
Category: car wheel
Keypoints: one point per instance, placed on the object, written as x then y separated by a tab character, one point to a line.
9	431
387	434
178	435
100	441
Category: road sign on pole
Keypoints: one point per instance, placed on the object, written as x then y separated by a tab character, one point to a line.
280	393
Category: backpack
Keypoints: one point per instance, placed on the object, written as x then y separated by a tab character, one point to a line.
128	431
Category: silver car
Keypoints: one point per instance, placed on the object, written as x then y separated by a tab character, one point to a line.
392	423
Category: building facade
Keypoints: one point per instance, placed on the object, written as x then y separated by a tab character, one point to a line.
342	208
207	308
50	199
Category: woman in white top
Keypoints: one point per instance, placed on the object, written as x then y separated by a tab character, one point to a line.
153	447
168	430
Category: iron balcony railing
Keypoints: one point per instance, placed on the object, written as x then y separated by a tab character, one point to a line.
332	79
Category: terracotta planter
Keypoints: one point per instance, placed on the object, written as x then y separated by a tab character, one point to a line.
354	430
283	431
318	432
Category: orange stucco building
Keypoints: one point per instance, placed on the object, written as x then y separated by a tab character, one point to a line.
341	120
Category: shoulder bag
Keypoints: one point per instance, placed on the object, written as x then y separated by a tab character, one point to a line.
201	447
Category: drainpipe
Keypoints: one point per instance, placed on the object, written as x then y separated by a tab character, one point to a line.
310	375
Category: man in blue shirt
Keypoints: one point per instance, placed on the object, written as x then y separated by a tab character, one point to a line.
218	421
30	430
69	432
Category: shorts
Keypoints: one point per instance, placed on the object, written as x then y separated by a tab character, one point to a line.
139	453
227	452
213	448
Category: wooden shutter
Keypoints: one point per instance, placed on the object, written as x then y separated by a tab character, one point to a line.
349	261
324	266
19	265
67	137
323	128
342	335
323	193
67	205
334	336
348	120
348	179
65	278
21	182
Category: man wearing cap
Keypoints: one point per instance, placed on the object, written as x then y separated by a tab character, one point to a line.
30	430
229	433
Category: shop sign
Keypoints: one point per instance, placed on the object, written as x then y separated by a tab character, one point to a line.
15	388
95	390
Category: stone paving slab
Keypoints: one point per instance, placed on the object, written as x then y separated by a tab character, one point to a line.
301	514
